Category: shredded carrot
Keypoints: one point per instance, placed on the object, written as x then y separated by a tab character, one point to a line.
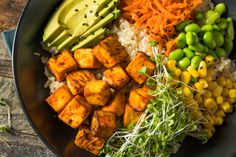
159	18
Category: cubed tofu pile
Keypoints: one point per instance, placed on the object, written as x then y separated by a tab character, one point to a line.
85	98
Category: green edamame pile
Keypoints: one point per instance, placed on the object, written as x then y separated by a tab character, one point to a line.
210	34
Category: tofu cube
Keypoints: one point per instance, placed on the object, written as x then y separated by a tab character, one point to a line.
86	59
140	61
131	116
76	111
59	99
110	52
116	77
97	92
139	98
61	64
85	140
103	124
116	105
77	80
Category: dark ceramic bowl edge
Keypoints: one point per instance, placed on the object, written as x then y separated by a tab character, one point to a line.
15	78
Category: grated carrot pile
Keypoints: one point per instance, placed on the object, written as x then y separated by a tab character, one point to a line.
159	17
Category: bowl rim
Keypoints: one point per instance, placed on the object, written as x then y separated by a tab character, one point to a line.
16	82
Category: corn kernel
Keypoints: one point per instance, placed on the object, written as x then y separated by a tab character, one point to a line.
174	81
212	85
204	83
198	86
220	113
208	78
185	77
229	83
196	114
208	133
209	126
209	60
226	107
202	69
194	73
232	93
225	92
177	72
231	100
210	72
187	92
209	118
207	94
219	100
209	103
217	91
235	85
218	120
199	99
221	81
171	65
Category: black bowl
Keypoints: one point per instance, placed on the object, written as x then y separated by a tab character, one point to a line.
29	79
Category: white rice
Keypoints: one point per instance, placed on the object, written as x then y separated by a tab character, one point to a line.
131	38
226	67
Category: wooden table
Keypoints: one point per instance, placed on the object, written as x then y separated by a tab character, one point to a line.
21	141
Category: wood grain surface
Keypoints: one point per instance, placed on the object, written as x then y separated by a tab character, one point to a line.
21	141
10	11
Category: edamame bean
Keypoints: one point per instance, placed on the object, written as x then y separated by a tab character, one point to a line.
199	16
202	55
223	24
192	28
228	45
218	38
220	8
197	47
220	52
191	38
208	39
181	40
212	53
188	53
216	27
207	28
182	25
195	61
212	16
205	49
177	54
184	63
230	28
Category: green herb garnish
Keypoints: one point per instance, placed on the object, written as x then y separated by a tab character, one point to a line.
153	43
162	127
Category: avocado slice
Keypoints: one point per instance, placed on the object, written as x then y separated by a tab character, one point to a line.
86	19
109	18
77	19
53	27
60	38
77	9
71	40
92	38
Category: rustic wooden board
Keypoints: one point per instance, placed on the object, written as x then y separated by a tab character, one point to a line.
23	142
10	11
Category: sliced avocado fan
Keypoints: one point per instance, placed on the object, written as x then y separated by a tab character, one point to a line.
74	24
54	27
